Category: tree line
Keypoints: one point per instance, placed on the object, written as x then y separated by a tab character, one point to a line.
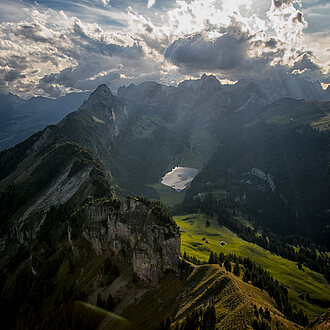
260	278
313	256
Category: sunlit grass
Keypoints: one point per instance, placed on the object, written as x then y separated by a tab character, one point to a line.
323	123
193	229
98	120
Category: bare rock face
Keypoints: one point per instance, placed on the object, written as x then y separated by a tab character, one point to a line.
59	192
134	234
106	109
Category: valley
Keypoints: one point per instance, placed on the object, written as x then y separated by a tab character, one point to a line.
165	165
87	232
198	240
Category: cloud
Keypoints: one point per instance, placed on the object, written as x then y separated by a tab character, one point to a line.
224	53
55	49
51	52
105	2
306	63
280	3
196	31
237	53
13	75
94	70
271	43
288	24
151	3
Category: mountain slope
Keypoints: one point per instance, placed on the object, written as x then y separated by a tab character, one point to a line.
60	212
105	246
273	165
264	155
307	289
198	288
67	233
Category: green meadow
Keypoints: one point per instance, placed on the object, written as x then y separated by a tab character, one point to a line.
299	282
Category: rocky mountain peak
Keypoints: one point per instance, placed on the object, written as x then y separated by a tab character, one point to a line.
102	94
210	78
209	83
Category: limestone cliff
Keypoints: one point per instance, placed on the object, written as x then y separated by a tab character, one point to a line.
133	233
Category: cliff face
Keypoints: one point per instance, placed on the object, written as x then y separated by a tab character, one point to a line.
56	199
43	183
135	235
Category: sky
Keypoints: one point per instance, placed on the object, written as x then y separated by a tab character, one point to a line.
54	47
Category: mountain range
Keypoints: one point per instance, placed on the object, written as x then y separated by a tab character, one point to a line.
78	228
21	118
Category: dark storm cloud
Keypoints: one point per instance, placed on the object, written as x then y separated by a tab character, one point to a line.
305	62
299	17
229	54
13	75
271	43
279	3
148	28
225	53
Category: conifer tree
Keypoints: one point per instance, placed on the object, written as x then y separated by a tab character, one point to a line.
211	258
227	265
236	270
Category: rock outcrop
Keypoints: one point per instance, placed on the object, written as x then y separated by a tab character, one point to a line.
135	234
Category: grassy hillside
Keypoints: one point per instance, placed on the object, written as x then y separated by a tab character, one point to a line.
181	298
300	282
